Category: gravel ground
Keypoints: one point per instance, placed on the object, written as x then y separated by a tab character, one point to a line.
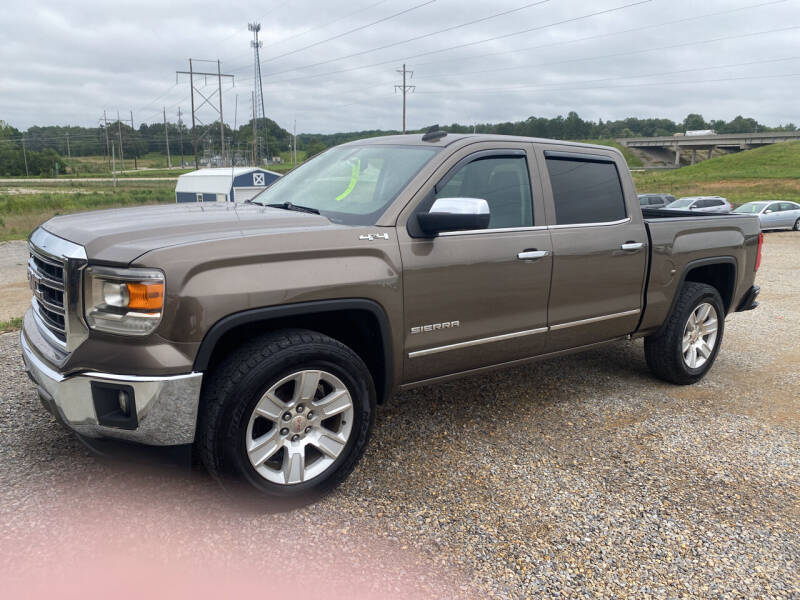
581	477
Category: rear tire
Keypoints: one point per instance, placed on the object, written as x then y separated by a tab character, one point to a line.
321	385
688	345
796	225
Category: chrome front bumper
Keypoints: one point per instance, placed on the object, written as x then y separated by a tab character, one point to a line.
166	407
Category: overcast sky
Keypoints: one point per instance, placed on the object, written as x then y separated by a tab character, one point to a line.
65	62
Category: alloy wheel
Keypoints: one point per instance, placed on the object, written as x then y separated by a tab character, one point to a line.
299	427
700	335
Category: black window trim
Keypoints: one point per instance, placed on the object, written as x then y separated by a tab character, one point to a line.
412	228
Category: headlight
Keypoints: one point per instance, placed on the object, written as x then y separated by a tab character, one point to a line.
126	301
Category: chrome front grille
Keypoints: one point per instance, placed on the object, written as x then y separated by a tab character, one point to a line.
54	272
46	277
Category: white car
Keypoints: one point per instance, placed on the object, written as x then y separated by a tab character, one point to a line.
712	204
774	214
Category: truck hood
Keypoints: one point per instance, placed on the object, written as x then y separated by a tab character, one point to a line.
119	236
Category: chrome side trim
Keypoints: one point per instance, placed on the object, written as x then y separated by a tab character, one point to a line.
606	223
467	344
516	334
627	313
498	230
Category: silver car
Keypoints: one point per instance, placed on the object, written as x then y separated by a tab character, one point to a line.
775	214
712	204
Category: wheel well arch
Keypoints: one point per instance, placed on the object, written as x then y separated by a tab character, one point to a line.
360	324
719	273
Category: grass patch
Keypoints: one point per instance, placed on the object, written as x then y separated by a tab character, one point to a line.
768	173
22	213
12	325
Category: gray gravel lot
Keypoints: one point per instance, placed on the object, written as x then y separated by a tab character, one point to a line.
577	477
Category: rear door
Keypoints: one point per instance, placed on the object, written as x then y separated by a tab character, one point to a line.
472	298
599	249
790	212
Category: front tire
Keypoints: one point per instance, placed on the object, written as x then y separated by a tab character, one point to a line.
686	349
288	413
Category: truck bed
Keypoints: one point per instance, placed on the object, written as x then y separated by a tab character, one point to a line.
682	240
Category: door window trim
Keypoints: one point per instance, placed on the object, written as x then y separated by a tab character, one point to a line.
411	225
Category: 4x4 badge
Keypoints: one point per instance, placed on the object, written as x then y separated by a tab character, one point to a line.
374	236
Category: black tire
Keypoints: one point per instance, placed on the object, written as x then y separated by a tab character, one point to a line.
237	384
796	225
663	352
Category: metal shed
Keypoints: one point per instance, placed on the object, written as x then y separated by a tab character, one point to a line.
223	185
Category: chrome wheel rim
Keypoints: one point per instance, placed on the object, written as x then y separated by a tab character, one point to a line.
299	427
700	335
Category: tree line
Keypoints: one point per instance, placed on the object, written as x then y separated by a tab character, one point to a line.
47	148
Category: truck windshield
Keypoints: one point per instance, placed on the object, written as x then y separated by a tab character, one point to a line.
680	203
751	208
349	184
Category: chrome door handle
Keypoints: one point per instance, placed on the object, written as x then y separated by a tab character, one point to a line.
533	254
632	246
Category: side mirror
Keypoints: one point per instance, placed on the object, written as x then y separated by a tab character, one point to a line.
768	211
455	214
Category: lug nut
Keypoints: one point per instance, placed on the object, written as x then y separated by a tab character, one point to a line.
284	431
300	408
295	437
308	429
287	416
310	415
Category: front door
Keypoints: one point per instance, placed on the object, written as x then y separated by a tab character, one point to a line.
599	250
475	298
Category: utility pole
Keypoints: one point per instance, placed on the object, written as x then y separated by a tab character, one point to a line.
221	118
166	137
105	128
180	133
405	88
25	158
294	144
69	154
258	87
114	163
135	165
206	100
121	149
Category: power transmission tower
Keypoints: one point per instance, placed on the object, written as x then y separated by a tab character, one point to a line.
258	108
166	137
105	129
121	150
405	89
206	100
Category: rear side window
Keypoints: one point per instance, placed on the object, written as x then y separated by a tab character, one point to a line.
788	206
585	191
656	200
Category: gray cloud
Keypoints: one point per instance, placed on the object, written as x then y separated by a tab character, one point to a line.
65	63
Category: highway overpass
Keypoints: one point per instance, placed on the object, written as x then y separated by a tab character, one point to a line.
725	141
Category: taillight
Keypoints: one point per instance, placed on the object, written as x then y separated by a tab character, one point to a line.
760	245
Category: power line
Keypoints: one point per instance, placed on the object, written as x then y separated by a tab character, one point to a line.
473	43
505	52
615	55
354	30
525	88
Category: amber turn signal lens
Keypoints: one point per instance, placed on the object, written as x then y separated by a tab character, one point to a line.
145	296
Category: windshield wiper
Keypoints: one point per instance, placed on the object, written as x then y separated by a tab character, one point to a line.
295	207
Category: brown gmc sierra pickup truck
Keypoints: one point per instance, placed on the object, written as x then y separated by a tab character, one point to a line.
266	333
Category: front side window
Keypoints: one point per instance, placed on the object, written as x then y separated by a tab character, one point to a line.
656	200
585	191
502	181
353	185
